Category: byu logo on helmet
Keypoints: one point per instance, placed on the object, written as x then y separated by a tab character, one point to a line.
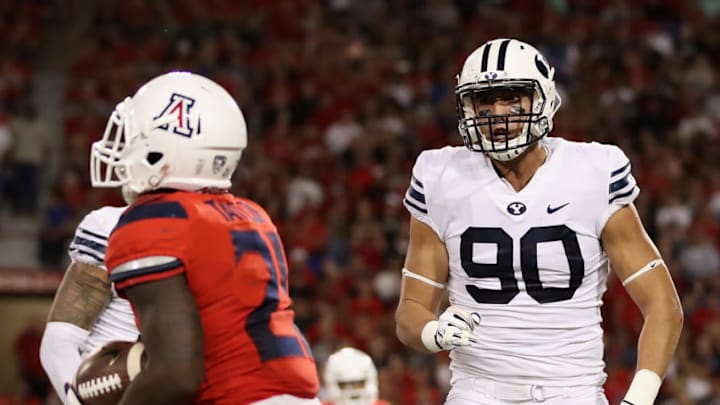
177	115
513	66
516	208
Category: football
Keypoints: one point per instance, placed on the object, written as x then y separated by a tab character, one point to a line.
104	375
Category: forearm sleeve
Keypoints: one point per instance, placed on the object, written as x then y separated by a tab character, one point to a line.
60	353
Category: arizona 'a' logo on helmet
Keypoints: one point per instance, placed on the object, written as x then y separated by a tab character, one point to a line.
177	114
140	149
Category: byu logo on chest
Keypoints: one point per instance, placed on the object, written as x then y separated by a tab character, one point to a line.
177	115
516	208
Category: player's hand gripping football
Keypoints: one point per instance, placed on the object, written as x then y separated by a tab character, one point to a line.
454	328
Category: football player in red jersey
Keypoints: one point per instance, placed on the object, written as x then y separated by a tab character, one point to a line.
205	271
351	379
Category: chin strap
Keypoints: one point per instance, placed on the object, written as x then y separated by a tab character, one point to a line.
128	195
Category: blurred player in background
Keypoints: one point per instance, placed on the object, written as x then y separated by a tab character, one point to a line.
522	229
351	379
204	270
86	312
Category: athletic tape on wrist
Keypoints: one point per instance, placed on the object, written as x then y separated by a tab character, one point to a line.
643	388
428	336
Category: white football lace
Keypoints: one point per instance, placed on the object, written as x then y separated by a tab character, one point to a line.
99	386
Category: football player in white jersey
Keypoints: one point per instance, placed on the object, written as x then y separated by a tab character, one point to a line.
351	378
86	312
521	229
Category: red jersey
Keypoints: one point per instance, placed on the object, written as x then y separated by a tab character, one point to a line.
235	266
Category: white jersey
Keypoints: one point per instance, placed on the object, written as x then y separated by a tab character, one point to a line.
116	322
529	262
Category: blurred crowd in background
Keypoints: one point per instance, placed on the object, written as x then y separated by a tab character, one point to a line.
340	96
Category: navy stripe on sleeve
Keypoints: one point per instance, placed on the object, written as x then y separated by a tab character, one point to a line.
619	184
411	204
625	194
420	197
92	245
93	234
620	170
417	182
86	252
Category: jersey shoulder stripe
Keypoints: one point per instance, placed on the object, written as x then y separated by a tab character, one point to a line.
621	170
622	186
168	209
91	236
415	199
417	182
426	187
86	246
97	259
418	196
415	196
87	233
619	184
120	274
409	204
627	193
99	247
622	183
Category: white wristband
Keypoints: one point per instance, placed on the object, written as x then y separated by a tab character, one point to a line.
428	336
643	388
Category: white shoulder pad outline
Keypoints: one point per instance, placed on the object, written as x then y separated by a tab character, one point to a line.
145	263
144	266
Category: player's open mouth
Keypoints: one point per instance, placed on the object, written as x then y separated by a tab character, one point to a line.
500	134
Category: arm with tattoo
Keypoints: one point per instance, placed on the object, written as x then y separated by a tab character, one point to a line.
81	298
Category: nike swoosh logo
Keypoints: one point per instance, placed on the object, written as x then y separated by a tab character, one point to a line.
551	210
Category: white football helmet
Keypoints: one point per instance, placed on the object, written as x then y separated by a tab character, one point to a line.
513	65
179	131
351	378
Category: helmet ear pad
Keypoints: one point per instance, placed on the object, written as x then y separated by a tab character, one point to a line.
150	162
